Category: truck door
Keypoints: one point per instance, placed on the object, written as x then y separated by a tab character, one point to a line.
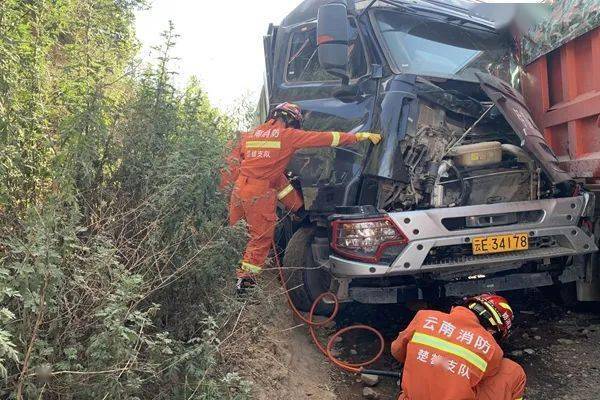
329	177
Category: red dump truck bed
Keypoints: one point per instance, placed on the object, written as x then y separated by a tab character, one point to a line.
562	89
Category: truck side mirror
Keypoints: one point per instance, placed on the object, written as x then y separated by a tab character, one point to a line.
332	39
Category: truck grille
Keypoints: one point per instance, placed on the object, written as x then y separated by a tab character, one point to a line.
503	219
462	254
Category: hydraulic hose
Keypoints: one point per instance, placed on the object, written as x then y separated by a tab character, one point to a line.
312	326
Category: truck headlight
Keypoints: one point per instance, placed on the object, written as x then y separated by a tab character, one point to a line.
366	239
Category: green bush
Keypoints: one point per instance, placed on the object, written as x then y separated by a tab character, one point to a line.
116	260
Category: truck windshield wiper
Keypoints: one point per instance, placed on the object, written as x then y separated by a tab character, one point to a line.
395	3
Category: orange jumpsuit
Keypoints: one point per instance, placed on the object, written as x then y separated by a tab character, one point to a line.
266	153
230	173
289	197
452	357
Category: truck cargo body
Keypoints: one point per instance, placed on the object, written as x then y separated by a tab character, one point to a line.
562	89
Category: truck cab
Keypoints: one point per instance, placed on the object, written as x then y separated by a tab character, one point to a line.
462	196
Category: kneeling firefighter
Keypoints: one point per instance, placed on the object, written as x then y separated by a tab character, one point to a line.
456	356
266	152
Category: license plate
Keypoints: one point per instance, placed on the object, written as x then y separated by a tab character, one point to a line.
500	243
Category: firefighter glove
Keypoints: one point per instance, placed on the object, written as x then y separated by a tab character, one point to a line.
375	138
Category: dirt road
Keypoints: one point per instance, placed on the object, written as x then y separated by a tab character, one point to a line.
559	349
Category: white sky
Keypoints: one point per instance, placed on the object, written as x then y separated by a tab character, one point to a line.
220	43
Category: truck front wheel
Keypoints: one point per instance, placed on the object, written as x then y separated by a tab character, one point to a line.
304	280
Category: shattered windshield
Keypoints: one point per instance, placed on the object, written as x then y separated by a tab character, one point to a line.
439	47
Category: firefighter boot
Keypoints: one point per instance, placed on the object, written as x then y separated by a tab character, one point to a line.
244	284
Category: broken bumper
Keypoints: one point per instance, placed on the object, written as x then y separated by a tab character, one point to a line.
553	226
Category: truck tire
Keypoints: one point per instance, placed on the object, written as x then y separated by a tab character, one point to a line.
284	229
304	280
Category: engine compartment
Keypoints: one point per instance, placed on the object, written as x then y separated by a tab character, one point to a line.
446	144
455	160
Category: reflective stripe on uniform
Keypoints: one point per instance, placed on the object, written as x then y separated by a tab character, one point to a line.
335	140
287	190
520	398
449	347
251	268
508	308
263	144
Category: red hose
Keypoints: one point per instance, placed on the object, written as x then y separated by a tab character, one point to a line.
312	326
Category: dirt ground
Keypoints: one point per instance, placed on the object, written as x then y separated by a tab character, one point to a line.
559	349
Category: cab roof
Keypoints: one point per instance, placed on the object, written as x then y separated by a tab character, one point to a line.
306	11
483	13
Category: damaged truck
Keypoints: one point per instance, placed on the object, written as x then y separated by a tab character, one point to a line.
462	196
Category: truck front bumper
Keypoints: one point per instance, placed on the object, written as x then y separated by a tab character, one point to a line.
553	226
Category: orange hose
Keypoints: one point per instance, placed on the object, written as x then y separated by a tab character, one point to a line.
312	326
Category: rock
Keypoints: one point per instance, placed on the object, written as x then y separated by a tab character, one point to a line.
525	336
353	352
338	339
516	353
565	341
335	352
594	327
529	351
369	393
585	332
527	312
534	328
369	380
537	337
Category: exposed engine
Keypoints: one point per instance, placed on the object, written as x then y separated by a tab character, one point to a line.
450	165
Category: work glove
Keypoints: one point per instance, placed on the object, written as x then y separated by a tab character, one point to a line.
375	138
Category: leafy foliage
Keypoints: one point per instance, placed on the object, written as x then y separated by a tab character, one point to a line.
113	243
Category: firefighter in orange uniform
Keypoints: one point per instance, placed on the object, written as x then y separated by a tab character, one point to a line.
456	356
266	152
231	171
287	195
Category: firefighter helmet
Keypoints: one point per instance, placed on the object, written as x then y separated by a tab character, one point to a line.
494	312
291	113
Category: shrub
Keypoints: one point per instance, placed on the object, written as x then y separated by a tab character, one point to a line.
116	258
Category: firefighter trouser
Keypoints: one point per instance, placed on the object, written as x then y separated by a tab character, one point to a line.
255	201
507	384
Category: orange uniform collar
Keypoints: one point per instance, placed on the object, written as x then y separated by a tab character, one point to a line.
465	313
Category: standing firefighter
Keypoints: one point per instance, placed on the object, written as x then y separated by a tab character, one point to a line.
288	196
266	152
456	356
